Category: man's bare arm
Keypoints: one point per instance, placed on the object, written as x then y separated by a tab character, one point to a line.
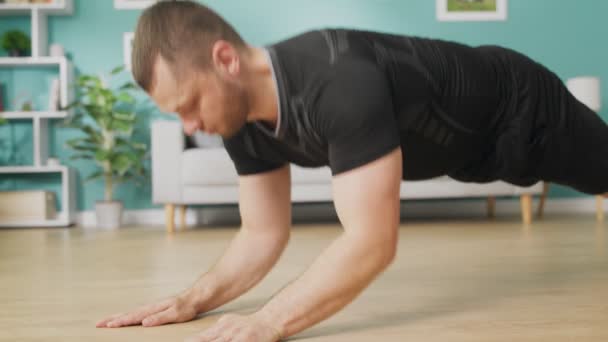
265	207
367	200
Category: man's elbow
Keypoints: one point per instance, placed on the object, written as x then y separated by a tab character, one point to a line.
389	253
383	249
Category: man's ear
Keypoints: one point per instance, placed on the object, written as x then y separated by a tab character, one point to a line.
226	58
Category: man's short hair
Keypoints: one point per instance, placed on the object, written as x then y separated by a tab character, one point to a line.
183	33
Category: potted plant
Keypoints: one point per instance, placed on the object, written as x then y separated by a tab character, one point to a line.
107	118
16	43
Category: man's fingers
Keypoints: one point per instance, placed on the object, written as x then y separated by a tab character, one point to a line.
103	322
137	316
205	336
163	317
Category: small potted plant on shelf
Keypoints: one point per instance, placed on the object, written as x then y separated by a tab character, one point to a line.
16	43
107	118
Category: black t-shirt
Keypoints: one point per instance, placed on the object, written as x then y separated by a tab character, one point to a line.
348	97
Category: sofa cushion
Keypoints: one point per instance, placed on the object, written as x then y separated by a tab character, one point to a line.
203	140
302	175
207	166
213	166
442	179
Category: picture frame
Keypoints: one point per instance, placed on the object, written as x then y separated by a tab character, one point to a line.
132	4
471	10
127	47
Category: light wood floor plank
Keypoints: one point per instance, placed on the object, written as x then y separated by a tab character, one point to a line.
457	280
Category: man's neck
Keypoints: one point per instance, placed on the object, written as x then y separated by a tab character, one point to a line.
262	91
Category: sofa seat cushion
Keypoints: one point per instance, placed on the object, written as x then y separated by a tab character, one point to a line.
304	175
207	166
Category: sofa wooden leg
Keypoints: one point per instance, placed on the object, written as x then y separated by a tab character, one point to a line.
599	207
170	217
182	216
526	208
491	206
543	200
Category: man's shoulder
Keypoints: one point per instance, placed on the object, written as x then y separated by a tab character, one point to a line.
301	41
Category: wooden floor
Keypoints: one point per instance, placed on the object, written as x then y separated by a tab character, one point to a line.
454	280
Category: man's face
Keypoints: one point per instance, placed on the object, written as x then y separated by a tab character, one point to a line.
204	100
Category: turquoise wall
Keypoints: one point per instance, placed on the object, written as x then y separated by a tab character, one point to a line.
569	37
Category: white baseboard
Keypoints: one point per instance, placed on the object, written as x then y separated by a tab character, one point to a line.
504	207
325	211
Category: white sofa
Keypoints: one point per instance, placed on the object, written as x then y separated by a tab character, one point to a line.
205	175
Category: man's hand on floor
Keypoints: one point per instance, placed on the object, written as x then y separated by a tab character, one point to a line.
177	309
237	328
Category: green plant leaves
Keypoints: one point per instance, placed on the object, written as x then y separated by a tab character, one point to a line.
89	81
93	176
117	70
125	97
81	156
107	119
103	155
122	163
128	86
121	126
15	40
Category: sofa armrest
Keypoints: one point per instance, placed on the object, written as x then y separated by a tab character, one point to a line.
167	148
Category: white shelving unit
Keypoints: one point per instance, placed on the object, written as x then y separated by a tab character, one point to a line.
40	119
66	216
133	4
57	7
34	115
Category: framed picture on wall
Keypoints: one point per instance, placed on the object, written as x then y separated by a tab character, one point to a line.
471	10
133	4
127	46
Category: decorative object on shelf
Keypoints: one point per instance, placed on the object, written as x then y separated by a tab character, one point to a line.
471	10
16	162
127	47
56	50
52	162
27	205
23	102
27	106
16	43
54	95
108	141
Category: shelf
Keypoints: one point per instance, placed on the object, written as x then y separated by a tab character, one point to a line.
32	169
35	61
33	114
35	223
59	7
39	14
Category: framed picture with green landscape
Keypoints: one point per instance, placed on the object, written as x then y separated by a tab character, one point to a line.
471	10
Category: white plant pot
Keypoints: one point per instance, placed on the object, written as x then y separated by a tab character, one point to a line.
109	214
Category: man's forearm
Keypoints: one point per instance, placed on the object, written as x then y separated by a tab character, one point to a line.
246	261
337	276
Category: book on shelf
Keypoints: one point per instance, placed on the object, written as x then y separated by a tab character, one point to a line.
27	205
